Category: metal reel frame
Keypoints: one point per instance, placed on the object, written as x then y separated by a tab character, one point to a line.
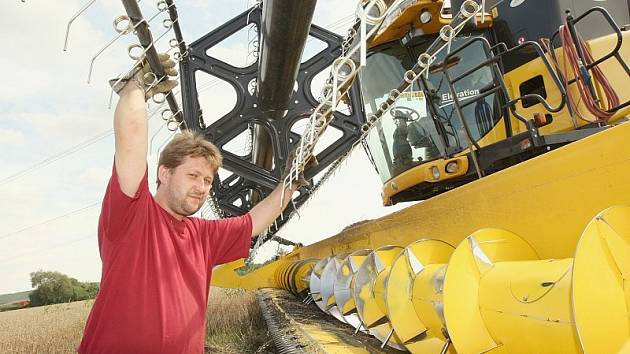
248	177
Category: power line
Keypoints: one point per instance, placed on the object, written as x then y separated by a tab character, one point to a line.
69	151
59	245
76	211
80	146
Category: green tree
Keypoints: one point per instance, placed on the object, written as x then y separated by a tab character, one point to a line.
91	289
55	287
51	288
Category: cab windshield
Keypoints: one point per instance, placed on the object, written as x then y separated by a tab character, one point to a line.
423	125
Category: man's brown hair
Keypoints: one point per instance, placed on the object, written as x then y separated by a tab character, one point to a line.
189	143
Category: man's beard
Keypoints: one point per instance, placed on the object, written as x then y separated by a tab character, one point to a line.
187	208
184	206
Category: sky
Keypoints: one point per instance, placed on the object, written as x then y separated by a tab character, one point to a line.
56	134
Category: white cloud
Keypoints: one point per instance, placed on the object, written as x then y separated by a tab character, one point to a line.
70	126
11	136
95	177
41	63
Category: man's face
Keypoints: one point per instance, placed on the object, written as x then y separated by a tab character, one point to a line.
187	186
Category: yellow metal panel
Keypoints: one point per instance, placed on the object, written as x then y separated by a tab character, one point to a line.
422	173
472	259
370	294
601	283
225	276
331	301
410	17
344	286
348	307
427	299
562	121
466	307
550	199
400	308
525	303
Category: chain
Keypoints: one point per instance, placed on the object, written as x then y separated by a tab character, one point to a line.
250	139
253	44
213	204
343	72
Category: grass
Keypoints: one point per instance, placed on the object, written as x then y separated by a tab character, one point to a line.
235	325
46	329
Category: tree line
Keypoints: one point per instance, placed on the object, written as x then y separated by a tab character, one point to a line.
55	287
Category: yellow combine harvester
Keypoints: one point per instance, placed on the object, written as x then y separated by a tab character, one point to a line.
521	155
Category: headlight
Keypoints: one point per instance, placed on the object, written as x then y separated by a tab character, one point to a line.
452	167
435	172
425	17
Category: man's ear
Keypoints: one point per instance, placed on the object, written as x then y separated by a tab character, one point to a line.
164	174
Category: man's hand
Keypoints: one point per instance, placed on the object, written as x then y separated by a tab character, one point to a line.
265	213
144	78
163	85
301	181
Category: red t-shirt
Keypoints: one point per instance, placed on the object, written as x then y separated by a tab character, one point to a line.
156	274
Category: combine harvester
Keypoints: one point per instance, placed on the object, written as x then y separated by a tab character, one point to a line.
518	149
520	154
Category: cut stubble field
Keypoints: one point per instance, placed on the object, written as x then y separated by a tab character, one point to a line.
235	325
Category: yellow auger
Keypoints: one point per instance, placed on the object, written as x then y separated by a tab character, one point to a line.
499	296
370	297
414	295
491	294
344	287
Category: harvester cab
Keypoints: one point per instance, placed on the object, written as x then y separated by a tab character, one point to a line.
495	98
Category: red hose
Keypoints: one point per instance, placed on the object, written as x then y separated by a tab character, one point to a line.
571	53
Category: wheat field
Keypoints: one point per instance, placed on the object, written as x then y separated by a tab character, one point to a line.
46	329
235	325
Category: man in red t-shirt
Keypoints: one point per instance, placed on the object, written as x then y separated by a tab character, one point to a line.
157	260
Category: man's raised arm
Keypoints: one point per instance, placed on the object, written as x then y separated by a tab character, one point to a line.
131	133
131	121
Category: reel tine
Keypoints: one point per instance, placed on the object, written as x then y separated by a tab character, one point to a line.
77	14
162	6
121	32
